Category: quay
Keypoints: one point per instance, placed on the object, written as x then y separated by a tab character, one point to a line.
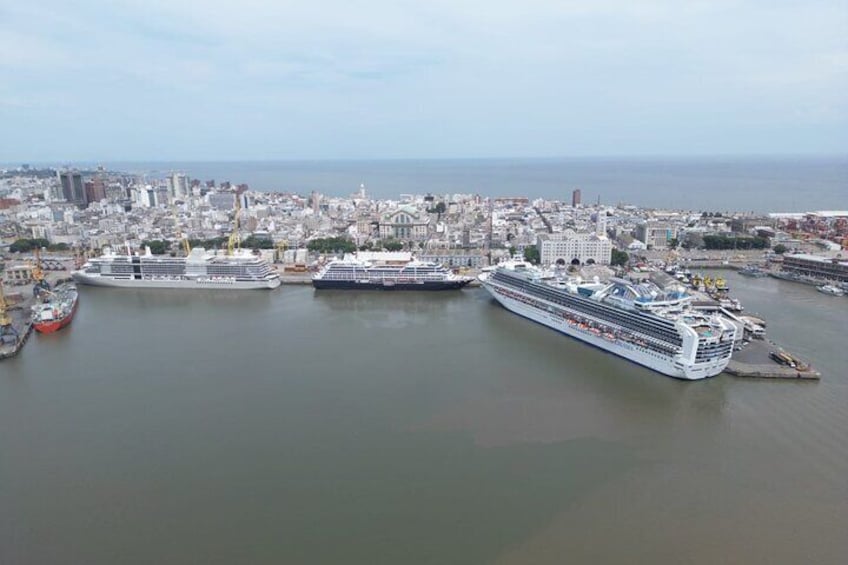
754	361
23	325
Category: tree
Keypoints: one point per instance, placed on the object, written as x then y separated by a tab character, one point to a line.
725	242
392	245
254	242
780	249
673	243
531	254
157	246
512	251
619	258
331	245
25	245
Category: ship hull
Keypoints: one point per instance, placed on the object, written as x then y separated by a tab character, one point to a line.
51	326
668	366
354	285
196	284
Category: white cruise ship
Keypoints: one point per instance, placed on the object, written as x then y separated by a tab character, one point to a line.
200	269
656	329
386	271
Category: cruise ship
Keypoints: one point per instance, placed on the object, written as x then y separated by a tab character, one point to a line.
659	330
241	270
387	271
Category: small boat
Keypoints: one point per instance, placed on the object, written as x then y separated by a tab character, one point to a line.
831	290
57	309
752	271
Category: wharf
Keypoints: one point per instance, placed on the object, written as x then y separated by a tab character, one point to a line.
23	325
296	278
754	361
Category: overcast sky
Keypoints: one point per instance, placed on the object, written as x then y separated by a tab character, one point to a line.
254	79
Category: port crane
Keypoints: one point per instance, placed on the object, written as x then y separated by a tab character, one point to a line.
184	243
234	242
41	284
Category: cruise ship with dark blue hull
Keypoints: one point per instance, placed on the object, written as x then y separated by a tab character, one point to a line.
386	271
389	285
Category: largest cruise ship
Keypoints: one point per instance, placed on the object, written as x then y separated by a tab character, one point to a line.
656	329
200	269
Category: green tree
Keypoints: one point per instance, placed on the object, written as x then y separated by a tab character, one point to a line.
531	254
619	258
392	245
26	245
157	246
254	242
726	242
780	249
512	251
673	243
331	245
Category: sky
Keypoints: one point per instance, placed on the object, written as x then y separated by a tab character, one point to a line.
144	80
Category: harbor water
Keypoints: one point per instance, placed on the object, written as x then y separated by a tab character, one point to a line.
303	426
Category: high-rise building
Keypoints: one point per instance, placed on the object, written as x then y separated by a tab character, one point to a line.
73	189
575	198
316	202
178	185
601	223
95	190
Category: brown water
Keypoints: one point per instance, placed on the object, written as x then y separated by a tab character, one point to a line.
335	427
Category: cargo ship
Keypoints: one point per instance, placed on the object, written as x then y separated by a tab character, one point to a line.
57	309
386	271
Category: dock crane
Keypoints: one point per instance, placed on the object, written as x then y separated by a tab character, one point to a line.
184	243
281	246
41	284
234	242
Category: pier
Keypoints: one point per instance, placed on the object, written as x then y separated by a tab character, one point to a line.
754	361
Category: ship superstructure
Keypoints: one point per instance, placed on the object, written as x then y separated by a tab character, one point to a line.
240	269
639	322
386	270
56	308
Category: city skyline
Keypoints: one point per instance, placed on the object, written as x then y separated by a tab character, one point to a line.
258	80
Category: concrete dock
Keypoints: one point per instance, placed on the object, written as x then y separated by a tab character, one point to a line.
22	323
754	361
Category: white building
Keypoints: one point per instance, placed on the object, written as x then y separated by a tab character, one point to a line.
570	248
656	234
404	223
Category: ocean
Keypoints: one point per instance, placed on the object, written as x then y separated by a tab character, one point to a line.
762	184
